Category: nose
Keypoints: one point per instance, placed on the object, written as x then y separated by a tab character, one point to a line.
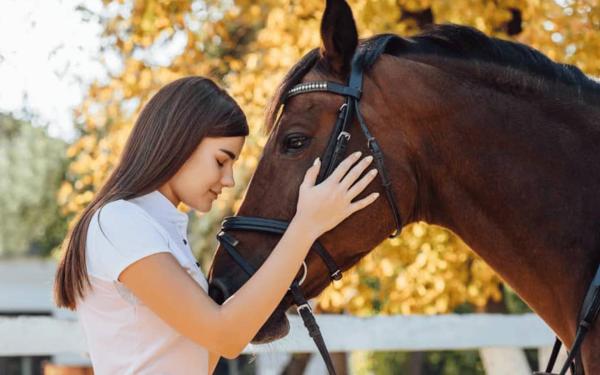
218	291
228	180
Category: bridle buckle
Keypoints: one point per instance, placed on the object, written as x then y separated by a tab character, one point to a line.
344	134
337	275
304	306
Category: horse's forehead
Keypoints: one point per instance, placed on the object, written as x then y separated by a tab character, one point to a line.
302	105
310	112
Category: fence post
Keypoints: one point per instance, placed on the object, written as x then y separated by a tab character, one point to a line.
502	361
544	355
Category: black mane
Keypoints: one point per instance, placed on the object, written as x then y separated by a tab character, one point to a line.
448	41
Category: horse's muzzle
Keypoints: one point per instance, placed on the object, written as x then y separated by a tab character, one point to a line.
218	291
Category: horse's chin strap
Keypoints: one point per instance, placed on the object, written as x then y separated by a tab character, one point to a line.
587	317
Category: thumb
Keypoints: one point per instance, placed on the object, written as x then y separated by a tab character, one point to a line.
311	174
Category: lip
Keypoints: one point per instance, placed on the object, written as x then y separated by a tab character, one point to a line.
215	194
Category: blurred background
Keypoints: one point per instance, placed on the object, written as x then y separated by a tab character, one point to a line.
74	75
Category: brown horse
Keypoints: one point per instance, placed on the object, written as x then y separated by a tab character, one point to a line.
485	137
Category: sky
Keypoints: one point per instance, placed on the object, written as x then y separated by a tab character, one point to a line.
48	55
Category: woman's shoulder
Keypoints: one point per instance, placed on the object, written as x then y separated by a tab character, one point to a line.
120	209
120	233
122	215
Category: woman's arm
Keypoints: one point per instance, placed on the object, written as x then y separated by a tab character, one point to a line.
161	283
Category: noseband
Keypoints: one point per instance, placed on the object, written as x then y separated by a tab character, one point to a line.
333	155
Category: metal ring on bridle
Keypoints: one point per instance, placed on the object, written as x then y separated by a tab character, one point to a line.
305	268
344	134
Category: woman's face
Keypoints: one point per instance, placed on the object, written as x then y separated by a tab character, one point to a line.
203	176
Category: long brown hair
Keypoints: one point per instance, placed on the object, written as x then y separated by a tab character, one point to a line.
167	131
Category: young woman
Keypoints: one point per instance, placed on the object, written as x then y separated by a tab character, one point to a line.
128	269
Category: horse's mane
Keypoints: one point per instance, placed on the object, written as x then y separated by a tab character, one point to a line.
448	41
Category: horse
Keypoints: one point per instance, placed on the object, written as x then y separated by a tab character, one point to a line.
485	137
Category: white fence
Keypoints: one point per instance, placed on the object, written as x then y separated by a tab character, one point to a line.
26	286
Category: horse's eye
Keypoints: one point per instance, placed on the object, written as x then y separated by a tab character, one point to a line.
295	142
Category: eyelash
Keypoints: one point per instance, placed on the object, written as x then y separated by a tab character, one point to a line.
220	164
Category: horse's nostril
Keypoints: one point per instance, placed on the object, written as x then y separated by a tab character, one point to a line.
218	291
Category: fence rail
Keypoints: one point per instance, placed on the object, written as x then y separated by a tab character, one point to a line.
34	335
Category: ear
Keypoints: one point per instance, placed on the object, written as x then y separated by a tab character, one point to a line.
339	36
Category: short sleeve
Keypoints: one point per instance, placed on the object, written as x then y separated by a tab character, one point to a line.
121	234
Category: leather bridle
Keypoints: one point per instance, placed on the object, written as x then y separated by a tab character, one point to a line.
333	155
588	314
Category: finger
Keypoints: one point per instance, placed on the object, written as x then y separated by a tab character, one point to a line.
358	187
310	178
344	166
362	203
355	172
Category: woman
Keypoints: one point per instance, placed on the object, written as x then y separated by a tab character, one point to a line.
127	268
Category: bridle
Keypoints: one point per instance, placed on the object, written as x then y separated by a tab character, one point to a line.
587	317
334	152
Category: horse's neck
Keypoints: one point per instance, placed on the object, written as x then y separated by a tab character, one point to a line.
520	185
530	210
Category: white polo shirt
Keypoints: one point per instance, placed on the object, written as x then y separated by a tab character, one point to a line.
123	335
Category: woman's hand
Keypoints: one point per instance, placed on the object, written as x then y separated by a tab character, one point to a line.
322	207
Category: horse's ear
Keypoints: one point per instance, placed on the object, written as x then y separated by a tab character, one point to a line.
339	36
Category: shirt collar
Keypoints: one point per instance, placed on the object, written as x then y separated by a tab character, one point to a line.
160	207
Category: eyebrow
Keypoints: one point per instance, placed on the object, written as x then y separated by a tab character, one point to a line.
229	153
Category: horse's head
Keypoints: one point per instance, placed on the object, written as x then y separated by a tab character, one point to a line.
300	129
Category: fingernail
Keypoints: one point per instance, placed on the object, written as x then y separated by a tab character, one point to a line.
317	161
369	158
357	154
373	172
376	195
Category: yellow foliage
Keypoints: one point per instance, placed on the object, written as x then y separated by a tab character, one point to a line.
426	270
